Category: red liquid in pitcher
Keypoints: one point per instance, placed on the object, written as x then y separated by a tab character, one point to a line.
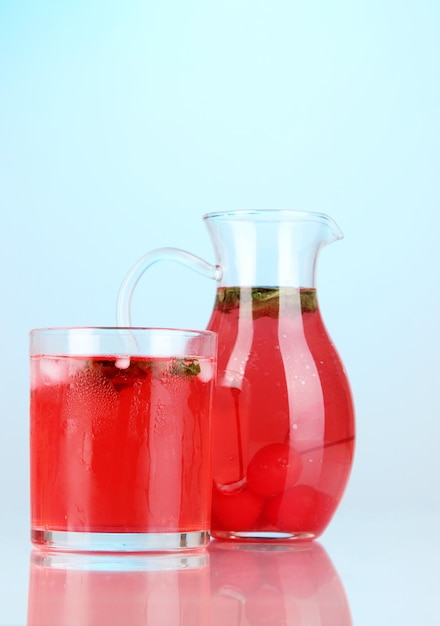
283	422
120	446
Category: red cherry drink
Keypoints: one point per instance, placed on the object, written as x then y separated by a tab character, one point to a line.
283	420
120	445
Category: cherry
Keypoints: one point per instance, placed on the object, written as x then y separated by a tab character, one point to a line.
273	469
301	509
235	511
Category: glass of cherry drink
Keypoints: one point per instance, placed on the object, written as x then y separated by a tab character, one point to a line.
120	438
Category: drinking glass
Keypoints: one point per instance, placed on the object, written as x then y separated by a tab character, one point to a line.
120	438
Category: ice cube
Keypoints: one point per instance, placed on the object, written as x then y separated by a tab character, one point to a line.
123	362
53	371
206	370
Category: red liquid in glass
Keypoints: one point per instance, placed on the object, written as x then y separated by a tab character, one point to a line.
120	449
283	420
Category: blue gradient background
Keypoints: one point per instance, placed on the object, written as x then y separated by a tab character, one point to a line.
122	123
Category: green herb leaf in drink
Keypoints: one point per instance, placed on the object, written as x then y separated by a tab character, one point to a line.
264	301
187	368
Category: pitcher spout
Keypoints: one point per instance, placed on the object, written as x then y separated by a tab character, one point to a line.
331	231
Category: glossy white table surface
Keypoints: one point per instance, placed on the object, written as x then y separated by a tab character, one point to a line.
365	570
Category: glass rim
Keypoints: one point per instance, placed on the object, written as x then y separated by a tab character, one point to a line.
50	330
130	341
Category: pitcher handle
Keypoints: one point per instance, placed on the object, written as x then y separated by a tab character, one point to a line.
125	294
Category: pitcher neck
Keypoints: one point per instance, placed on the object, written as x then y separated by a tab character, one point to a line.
270	248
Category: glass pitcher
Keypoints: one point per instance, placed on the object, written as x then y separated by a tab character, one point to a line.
283	416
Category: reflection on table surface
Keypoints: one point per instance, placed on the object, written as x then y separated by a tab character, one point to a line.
230	584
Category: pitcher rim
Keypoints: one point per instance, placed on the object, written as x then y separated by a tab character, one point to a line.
277	215
269	215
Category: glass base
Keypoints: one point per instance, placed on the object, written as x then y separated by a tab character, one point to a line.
119	542
261	536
